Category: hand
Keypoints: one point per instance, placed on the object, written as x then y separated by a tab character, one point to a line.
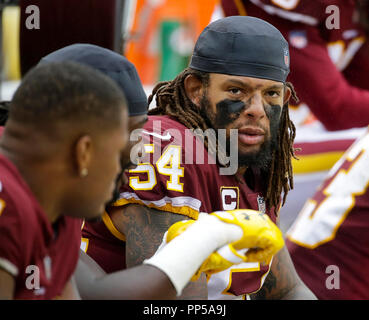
261	240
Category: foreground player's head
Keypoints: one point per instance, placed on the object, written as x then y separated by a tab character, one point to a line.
60	120
237	80
125	75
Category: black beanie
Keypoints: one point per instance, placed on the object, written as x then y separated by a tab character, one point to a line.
242	46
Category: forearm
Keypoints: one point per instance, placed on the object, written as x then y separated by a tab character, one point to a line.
144	229
141	282
138	283
299	292
86	273
181	258
70	291
144	282
283	282
180	261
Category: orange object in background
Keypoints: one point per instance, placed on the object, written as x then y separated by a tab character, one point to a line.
144	46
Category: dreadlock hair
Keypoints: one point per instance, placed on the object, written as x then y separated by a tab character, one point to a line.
172	100
4	112
280	175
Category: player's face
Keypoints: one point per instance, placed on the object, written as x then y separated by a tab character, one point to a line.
251	105
105	167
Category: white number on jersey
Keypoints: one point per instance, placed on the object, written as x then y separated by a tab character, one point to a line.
169	164
318	223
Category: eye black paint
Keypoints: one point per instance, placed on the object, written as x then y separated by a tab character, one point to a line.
274	115
273	112
228	111
233	106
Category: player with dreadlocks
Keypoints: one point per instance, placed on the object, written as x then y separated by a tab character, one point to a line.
171	99
233	82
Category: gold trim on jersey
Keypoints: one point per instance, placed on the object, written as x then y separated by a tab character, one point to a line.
240	7
225	291
238	195
2	206
84	247
113	230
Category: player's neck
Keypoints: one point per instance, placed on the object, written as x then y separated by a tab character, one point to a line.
36	175
40	184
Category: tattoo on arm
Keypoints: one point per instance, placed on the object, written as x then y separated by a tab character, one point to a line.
279	281
283	281
144	229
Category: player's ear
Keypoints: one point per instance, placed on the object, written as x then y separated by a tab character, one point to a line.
194	89
287	94
83	154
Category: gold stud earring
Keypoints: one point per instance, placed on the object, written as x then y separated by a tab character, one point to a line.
84	173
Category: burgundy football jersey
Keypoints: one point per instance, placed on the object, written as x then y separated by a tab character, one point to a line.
105	244
176	175
40	259
329	241
329	63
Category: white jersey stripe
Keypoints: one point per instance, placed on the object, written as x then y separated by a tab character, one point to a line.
293	16
193	203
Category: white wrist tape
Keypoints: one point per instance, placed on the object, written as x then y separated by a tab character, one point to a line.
182	257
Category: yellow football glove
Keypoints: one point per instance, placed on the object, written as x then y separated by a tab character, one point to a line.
260	241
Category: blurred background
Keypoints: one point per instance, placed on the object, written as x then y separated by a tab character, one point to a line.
156	35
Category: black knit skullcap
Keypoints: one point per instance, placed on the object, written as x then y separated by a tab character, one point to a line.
243	46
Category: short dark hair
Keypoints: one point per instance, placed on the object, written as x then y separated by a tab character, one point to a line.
67	92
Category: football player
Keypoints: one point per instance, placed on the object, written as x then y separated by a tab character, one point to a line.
55	166
233	82
105	239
